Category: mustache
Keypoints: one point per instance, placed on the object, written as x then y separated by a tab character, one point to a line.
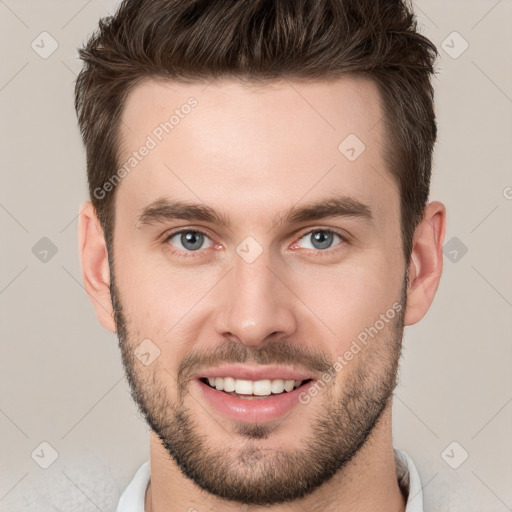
275	352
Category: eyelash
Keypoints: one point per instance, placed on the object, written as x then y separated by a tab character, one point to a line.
194	254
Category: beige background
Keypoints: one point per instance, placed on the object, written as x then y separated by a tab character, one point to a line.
62	381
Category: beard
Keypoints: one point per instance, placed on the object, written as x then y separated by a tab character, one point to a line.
255	474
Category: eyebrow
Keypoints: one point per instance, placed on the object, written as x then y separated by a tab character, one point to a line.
165	209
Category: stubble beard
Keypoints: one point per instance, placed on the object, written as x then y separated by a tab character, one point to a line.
253	475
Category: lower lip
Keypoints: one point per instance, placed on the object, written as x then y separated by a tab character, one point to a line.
247	410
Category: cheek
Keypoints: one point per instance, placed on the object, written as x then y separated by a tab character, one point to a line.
347	301
163	303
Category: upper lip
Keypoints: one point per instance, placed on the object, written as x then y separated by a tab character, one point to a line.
260	372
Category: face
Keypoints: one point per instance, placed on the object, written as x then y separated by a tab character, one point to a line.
250	250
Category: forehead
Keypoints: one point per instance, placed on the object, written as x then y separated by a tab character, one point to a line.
244	145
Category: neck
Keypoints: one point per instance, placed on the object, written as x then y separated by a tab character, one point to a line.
367	483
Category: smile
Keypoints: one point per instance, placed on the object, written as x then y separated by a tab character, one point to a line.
243	388
251	401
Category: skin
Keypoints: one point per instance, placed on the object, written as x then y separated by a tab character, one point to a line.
251	154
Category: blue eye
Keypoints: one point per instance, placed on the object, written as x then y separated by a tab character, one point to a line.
189	240
321	239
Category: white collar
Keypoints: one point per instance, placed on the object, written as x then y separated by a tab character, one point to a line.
409	481
133	497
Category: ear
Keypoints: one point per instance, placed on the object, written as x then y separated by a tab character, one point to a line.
426	264
94	262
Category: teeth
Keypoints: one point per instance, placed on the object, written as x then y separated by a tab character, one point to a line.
277	386
289	385
242	387
219	383
249	387
229	384
262	388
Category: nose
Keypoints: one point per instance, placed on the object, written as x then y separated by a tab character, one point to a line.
256	304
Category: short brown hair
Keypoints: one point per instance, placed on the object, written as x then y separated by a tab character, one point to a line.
261	41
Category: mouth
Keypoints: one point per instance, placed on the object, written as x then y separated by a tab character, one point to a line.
253	389
251	401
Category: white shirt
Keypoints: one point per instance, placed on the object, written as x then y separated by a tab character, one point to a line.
132	499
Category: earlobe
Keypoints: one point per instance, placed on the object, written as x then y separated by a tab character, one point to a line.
95	266
426	263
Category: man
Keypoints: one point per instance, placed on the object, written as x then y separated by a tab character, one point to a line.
258	236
